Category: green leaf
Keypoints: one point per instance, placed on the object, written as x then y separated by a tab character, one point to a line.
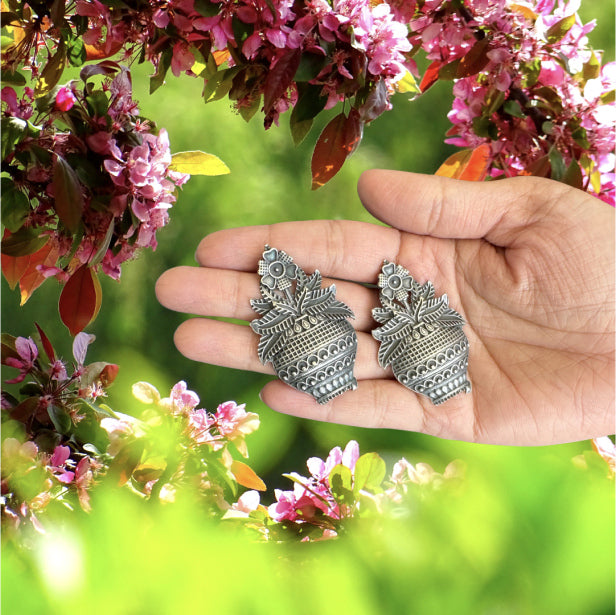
310	65
51	73
341	484
61	419
241	30
24	241
573	175
592	68
512	107
68	201
558	30
530	72
104	246
198	163
98	103
370	471
13	130
309	103
206	8
484	127
77	52
9	77
558	164
580	136
249	112
15	205
164	62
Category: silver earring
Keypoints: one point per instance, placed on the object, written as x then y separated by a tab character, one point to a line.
421	336
303	329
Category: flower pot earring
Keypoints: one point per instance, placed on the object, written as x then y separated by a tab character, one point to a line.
304	329
421	336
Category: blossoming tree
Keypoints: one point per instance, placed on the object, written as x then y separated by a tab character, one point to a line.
87	183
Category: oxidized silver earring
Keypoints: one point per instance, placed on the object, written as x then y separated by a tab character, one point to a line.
421	336
304	330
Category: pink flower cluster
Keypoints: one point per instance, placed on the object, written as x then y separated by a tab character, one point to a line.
311	499
112	160
57	391
346	42
536	92
31	479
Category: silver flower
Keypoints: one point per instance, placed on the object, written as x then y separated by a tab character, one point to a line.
395	281
277	269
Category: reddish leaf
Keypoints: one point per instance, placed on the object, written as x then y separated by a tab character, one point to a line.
126	460
32	279
279	78
68	198
109	374
99	51
540	168
145	472
13	268
467	164
220	57
430	76
46	344
246	476
78	301
25	409
336	143
23	242
475	59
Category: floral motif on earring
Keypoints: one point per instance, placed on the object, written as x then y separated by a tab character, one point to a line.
421	336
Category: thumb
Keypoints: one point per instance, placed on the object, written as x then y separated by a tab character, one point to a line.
455	209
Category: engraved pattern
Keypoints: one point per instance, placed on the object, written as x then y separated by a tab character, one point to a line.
421	336
303	331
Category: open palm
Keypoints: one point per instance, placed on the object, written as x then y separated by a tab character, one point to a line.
527	262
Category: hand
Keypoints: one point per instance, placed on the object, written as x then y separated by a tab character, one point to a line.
529	263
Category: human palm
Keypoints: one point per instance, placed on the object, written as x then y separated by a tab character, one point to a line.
527	262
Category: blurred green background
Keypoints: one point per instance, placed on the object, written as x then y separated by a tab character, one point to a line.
532	532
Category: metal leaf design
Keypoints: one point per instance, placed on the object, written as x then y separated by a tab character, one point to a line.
280	308
389	350
274	321
420	336
261	306
397	328
269	345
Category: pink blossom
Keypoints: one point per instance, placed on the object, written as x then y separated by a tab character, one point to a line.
57	371
80	346
182	60
181	401
57	464
118	431
297	505
65	99
27	352
230	422
247	502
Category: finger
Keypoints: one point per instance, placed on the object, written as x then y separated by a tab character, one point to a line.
218	292
343	249
235	346
378	404
449	208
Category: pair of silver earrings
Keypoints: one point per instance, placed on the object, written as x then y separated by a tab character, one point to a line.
306	334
